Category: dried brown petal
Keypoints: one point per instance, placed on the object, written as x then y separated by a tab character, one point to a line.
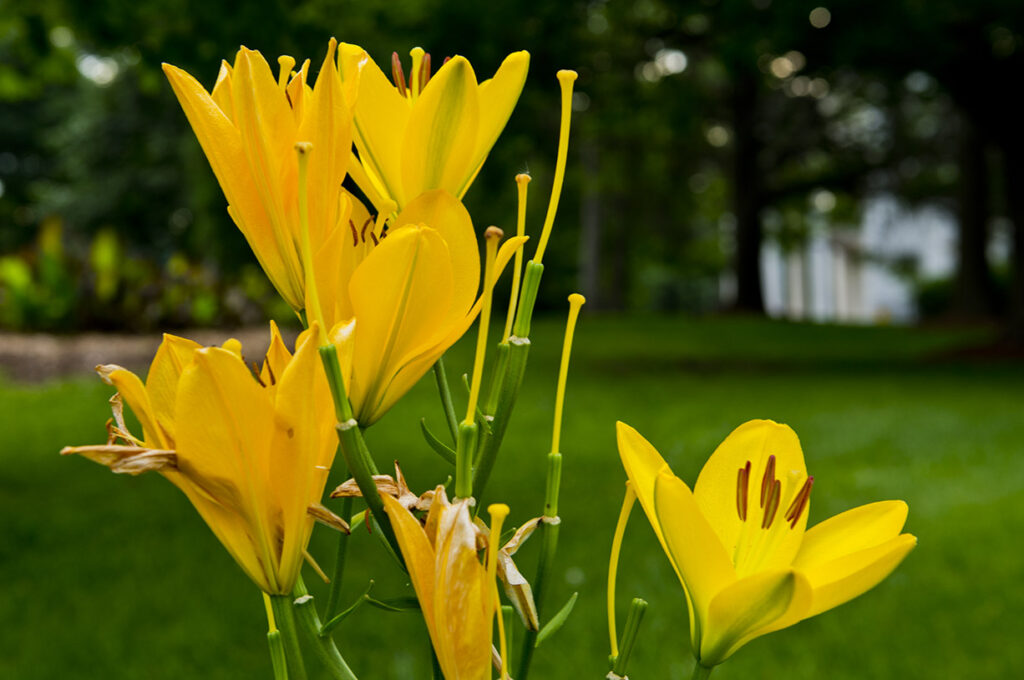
324	515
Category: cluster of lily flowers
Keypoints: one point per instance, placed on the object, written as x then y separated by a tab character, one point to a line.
383	288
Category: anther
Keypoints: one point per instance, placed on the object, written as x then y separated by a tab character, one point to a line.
397	74
772	505
270	372
800	501
766	481
362	232
355	234
742	484
256	374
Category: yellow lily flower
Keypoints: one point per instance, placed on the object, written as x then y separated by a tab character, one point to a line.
457	594
250	452
432	132
402	298
248	126
738	542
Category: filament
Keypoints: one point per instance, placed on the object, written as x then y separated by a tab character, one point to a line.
493	235
565	80
522	180
303	149
575	302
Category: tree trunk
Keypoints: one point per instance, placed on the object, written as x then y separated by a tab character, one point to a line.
590	225
1013	167
974	295
746	195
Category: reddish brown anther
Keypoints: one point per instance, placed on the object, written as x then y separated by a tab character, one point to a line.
766	481
742	485
772	504
398	74
800	501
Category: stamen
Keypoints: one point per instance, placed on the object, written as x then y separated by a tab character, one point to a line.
522	180
796	508
398	75
492	235
425	71
772	505
355	234
742	484
575	302
270	371
766	481
362	233
498	513
256	374
565	80
446	60
286	63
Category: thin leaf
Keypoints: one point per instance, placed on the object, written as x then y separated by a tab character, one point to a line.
439	446
556	622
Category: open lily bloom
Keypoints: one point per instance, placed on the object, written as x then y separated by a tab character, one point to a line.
401	298
248	126
738	541
457	598
430	132
250	452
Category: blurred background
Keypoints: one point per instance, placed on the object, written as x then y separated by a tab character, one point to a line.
809	211
852	162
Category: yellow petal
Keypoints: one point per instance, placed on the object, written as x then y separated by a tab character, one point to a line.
716	493
840	580
222	144
444	213
748	609
301	454
418	555
268	134
700	561
327	123
221	92
381	116
277	357
852	531
497	97
225	425
400	296
170	360
441	136
643	464
463	600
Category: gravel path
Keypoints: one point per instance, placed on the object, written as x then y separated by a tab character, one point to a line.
34	357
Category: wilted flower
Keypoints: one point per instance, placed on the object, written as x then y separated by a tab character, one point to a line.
251	452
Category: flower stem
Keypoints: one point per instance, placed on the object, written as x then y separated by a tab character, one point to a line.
275	643
324	645
701	672
629	635
334	594
285	619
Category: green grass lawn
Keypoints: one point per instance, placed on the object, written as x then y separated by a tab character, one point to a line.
103	576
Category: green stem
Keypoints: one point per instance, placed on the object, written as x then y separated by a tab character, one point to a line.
334	594
324	645
465	451
700	672
277	657
518	353
498	372
549	529
353	446
446	397
285	618
629	636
